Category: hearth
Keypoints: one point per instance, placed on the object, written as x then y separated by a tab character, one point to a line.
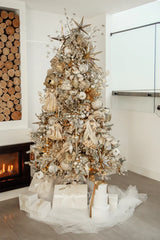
14	173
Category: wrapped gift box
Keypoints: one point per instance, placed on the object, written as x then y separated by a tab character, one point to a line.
40	208
101	196
113	201
43	187
100	213
70	196
26	200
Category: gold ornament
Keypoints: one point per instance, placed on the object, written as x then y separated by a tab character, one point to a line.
92	93
50	81
55	132
89	137
50	102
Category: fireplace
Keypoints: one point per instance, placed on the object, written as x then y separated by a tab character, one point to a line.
14	173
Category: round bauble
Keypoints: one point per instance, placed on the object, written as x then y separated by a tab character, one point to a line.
50	80
52	168
97	104
50	121
115	152
83	68
84	84
82	95
66	85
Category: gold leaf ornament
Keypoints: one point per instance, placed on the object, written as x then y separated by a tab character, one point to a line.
50	101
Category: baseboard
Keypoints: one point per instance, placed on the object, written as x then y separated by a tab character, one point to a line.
12	194
144	171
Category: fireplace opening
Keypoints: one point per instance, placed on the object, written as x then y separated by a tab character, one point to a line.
14	173
9	165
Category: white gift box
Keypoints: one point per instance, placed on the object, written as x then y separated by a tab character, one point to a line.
113	201
70	196
101	197
40	208
43	187
100	206
26	199
100	213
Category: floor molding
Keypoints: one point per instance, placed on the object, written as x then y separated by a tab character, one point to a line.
144	171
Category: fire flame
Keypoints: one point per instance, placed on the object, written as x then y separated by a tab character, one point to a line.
6	168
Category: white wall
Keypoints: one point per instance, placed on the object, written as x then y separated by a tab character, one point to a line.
39	26
100	44
139	132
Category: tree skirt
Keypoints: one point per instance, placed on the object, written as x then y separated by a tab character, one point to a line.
78	221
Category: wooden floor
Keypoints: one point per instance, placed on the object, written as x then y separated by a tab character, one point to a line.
144	225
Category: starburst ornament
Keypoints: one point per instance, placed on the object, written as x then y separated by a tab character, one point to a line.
80	26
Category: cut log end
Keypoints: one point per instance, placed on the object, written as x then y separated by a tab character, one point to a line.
16	115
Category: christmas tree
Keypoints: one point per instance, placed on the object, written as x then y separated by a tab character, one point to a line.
73	140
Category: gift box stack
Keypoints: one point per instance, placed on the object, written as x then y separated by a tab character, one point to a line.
43	197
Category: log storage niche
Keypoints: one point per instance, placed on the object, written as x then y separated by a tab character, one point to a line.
10	75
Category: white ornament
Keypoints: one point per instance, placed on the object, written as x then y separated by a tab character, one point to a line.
51	121
83	68
76	71
52	168
115	152
83	116
65	166
108	146
71	77
84	84
97	104
67	51
82	95
114	142
66	85
39	175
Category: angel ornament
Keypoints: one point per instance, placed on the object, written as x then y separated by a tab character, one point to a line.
89	137
67	147
55	132
50	101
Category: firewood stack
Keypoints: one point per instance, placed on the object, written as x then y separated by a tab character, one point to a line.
10	81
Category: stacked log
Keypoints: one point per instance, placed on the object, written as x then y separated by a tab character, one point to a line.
10	75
